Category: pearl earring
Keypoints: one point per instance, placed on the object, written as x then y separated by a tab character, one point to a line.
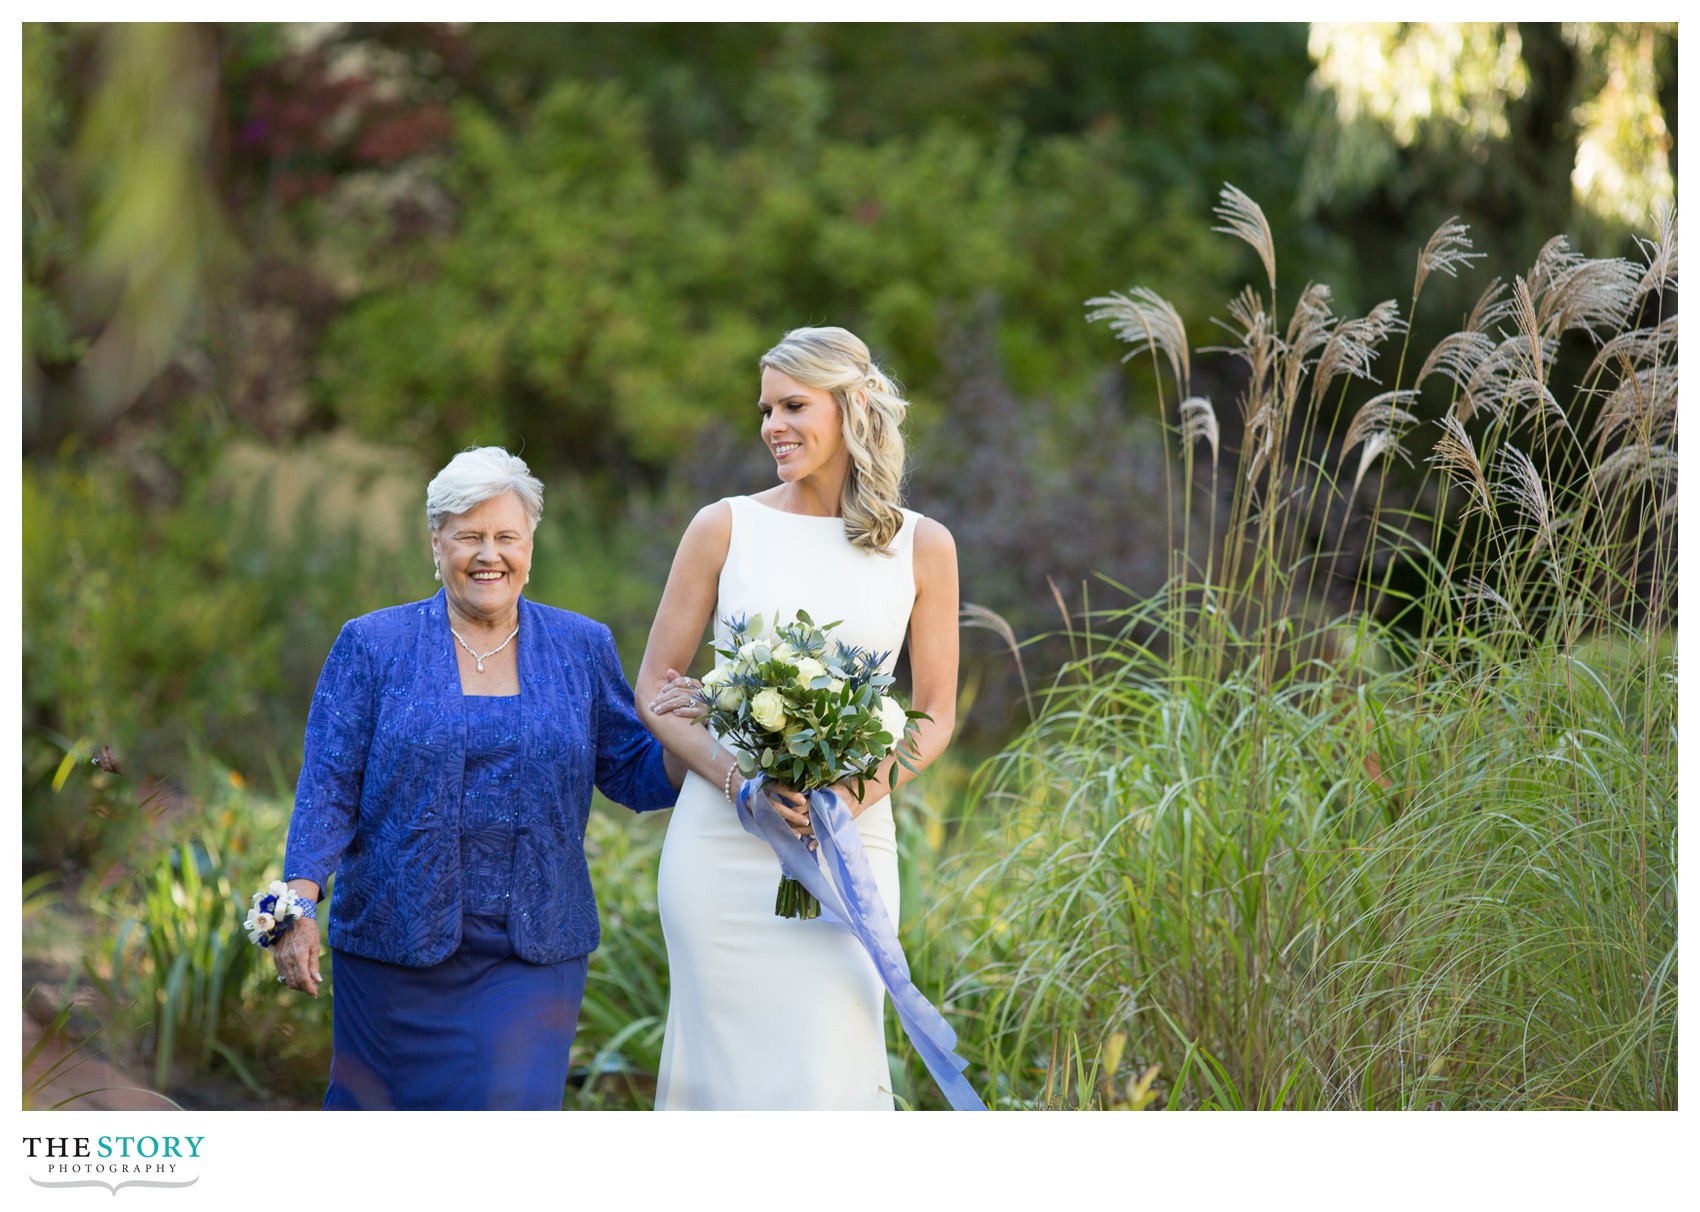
436	571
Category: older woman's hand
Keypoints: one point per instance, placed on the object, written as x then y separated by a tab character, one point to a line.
296	954
678	695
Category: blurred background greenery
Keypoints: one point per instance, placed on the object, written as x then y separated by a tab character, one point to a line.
275	275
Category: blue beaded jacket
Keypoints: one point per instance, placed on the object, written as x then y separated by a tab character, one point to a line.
378	802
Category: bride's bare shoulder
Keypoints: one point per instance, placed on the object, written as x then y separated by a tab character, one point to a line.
934	545
710	531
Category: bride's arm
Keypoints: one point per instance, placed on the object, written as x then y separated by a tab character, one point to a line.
933	650
934	629
687	607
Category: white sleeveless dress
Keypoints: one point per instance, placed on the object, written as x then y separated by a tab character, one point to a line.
770	1013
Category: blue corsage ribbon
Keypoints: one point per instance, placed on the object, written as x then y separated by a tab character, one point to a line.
839	877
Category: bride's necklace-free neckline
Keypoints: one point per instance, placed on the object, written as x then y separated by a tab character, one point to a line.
479	660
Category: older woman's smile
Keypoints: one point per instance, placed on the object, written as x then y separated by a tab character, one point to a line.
484	556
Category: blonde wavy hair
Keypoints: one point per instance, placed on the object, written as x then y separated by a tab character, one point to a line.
872	408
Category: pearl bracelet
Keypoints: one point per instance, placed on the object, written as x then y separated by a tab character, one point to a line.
727	789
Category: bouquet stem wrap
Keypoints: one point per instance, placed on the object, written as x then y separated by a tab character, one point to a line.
844	884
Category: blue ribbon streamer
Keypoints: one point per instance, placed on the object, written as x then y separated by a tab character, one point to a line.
841	880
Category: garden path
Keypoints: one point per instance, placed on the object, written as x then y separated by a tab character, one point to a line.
95	1083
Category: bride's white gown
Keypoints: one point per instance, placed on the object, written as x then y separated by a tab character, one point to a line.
770	1013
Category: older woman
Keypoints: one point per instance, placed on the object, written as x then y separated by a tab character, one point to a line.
451	748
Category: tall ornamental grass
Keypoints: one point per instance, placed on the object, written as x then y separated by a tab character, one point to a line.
1291	833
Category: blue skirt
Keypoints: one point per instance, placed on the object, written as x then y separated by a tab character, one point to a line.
482	1031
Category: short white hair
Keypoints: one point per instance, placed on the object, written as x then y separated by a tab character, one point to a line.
478	474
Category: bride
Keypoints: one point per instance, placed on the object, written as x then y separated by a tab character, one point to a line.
771	1013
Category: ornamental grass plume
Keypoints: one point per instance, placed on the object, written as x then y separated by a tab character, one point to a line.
1637	465
1354	345
1536	401
1244	218
1457	356
1660	253
1448	250
1643	403
1577	292
1519	482
1146	321
1476	589
1376	425
1198	421
1532	349
1455	454
1488	386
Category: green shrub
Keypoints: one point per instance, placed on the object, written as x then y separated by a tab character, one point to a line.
606	315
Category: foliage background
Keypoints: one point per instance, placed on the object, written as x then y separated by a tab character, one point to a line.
274	275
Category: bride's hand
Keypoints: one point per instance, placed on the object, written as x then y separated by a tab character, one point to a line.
793	806
678	696
790	804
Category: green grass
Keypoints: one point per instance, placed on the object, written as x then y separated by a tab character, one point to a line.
1259	851
617	1050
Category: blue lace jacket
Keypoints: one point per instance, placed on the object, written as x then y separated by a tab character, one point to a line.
378	803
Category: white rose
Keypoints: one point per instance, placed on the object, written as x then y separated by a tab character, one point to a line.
277	888
784	652
892	718
836	685
808	669
717	685
729	698
768	708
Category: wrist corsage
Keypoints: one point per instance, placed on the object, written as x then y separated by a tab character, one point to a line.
277	908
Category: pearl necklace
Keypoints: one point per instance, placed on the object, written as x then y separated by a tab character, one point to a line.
481	659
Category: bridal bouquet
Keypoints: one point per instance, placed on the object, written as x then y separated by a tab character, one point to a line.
805	711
